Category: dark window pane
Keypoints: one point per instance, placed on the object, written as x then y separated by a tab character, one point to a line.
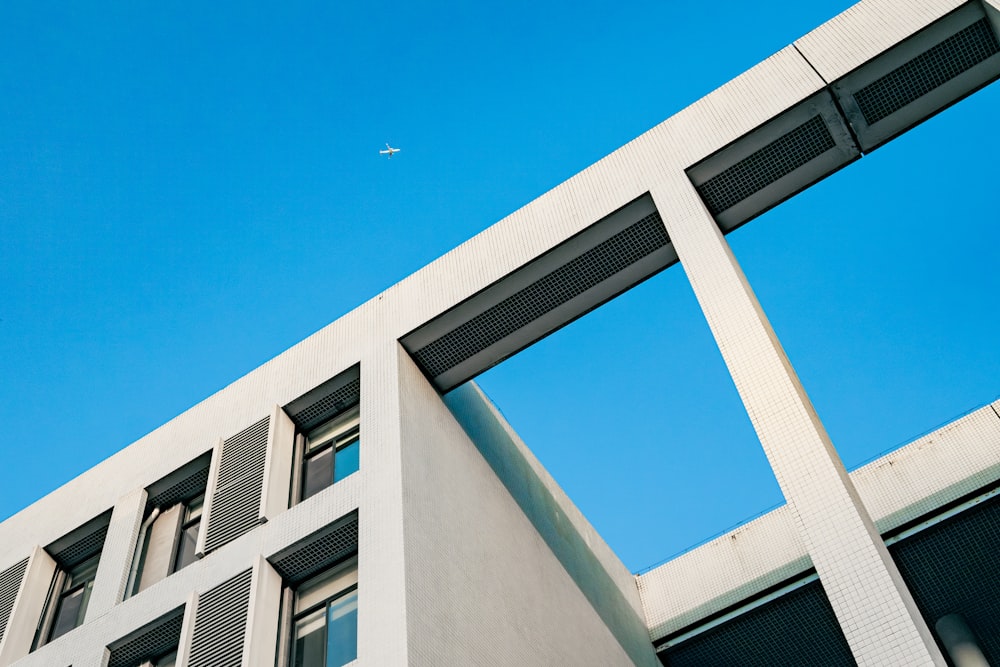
169	660
186	548
194	508
347	460
69	613
307	650
317	473
342	630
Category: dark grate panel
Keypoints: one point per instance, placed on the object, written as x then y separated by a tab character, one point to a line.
954	567
329	406
317	552
235	508
155	640
798	628
220	624
932	68
182	491
10	583
568	281
82	549
765	166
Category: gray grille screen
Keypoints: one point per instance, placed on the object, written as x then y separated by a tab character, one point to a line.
82	549
183	490
935	66
329	406
10	583
765	166
235	506
220	624
568	281
954	567
798	628
153	641
317	552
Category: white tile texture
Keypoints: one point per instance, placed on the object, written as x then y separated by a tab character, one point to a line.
865	30
397	574
875	609
489	590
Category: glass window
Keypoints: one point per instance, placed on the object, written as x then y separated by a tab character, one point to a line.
187	540
330	452
325	619
74	595
167	543
168	660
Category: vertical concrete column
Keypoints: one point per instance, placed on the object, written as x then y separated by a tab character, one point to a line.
277	465
262	619
382	627
116	556
873	605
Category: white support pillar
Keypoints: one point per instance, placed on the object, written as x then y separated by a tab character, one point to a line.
873	605
277	465
382	582
116	556
262	618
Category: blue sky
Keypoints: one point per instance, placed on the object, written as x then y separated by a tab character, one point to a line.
188	189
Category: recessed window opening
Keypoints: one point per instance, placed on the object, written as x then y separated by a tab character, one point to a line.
169	532
75	587
324	624
328	453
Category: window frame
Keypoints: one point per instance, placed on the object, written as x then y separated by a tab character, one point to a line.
64	584
333	435
187	522
183	523
342	580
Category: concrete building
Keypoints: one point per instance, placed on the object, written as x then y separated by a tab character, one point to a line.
358	500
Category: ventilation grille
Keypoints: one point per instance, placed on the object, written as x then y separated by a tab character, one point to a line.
317	552
82	549
153	641
953	567
932	68
329	406
235	506
10	583
220	624
765	166
798	628
568	281
181	491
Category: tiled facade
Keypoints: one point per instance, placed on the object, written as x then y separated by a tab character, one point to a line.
467	551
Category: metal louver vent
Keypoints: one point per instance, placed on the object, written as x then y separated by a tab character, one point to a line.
235	508
798	628
147	643
765	166
82	549
922	74
328	406
220	624
183	490
10	583
568	281
318	551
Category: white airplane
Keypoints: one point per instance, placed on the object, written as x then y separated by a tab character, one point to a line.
389	150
